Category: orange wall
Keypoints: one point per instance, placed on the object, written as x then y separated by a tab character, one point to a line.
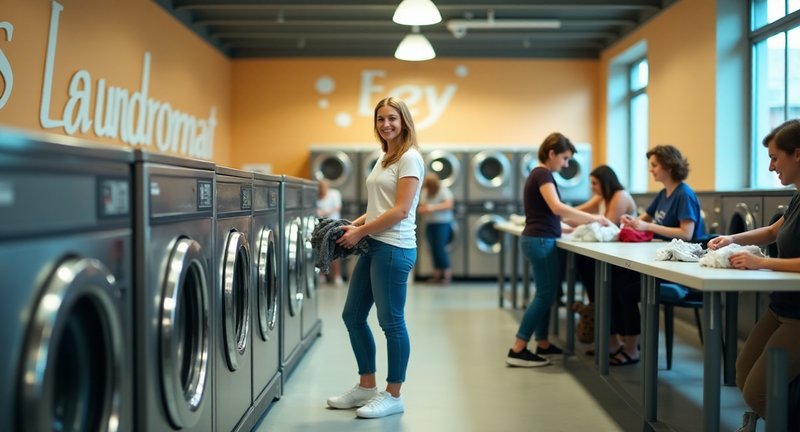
682	58
277	111
109	39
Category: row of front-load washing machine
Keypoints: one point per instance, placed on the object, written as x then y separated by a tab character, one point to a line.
146	292
486	182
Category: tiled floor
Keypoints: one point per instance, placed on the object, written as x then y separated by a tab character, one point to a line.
457	380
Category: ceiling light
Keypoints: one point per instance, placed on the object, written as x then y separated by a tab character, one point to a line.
414	47
416	12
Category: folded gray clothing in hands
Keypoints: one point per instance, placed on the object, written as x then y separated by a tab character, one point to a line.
323	240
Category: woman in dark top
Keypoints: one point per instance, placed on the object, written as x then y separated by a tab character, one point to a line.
543	213
780	326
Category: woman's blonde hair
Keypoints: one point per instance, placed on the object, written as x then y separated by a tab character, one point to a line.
409	133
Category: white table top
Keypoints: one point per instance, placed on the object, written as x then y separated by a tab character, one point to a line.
640	257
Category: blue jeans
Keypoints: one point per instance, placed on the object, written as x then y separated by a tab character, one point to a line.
380	278
439	234
545	258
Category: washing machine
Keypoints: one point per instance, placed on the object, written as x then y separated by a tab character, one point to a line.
573	181
67	310
311	324
741	211
266	317
174	263
233	297
338	165
484	242
455	248
711	211
292	273
492	176
450	165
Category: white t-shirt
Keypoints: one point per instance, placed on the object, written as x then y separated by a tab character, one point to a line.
331	201
381	194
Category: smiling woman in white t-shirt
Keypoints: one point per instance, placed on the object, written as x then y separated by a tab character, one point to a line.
381	275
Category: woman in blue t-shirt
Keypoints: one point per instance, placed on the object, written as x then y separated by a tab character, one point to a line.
780	326
673	214
543	213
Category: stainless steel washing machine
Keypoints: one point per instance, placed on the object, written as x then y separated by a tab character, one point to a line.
67	310
711	211
492	176
484	242
456	247
174	259
292	273
266	317
573	181
233	298
311	324
450	165
338	165
741	211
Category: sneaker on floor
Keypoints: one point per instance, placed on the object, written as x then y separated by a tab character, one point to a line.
525	358
381	405
551	350
749	420
355	397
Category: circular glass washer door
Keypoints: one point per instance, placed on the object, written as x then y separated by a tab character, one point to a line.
235	279
335	168
267	285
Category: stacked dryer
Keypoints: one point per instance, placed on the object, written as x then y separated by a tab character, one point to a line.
711	211
340	167
266	316
174	258
573	181
292	273
311	324
491	198
66	259
449	164
233	297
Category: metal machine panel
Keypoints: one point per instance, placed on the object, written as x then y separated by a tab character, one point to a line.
266	316
339	166
450	165
456	248
484	243
711	211
233	297
67	333
293	278
174	255
492	176
311	324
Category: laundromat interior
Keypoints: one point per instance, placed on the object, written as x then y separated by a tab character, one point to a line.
160	164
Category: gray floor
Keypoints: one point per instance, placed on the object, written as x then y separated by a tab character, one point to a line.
457	380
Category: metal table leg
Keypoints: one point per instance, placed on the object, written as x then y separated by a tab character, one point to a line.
570	299
731	337
650	349
711	359
514	275
501	271
602	314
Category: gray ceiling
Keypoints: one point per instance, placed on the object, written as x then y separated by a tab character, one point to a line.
361	28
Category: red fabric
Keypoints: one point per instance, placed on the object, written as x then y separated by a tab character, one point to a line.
630	235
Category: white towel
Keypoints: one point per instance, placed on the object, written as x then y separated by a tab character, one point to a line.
679	250
594	232
720	258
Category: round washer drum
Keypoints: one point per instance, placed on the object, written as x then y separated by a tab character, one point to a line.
335	167
445	165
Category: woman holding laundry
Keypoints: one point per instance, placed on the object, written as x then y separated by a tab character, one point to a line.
780	325
543	213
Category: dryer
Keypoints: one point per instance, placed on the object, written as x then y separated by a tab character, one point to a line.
484	242
174	259
573	181
338	166
741	211
450	165
492	176
292	273
233	297
267	256
66	259
711	211
311	324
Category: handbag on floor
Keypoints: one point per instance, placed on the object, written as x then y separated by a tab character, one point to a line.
584	331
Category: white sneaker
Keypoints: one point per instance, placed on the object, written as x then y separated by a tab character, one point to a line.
749	420
381	405
355	397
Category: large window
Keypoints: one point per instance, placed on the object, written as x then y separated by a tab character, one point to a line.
637	108
775	41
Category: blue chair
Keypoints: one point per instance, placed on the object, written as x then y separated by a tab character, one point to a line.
674	295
